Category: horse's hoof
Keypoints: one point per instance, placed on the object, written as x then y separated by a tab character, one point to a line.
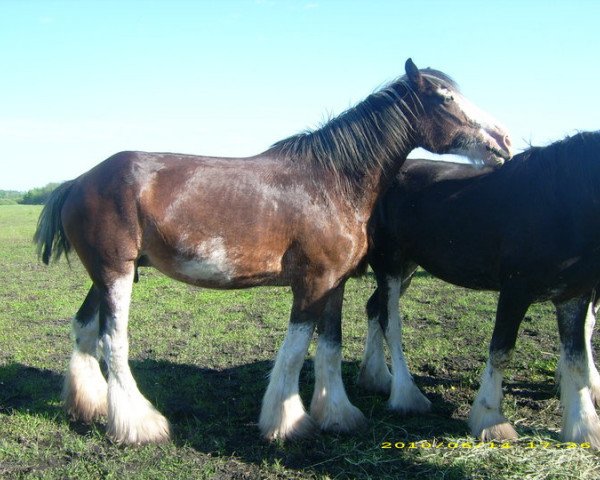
491	426
300	427
409	400
340	420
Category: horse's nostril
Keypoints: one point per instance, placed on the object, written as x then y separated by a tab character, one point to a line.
507	141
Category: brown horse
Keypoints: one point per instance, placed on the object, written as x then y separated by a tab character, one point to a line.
294	215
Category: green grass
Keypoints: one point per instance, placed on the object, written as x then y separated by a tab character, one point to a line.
202	358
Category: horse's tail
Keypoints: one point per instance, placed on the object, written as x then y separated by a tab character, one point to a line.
50	235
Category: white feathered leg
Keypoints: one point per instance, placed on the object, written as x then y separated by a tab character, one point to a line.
85	389
374	374
131	418
330	406
486	419
593	380
405	396
282	415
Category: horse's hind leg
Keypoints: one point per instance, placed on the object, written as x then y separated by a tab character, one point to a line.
594	376
84	390
330	405
593	380
486	419
580	420
131	418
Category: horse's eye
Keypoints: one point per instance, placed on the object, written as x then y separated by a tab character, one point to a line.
448	98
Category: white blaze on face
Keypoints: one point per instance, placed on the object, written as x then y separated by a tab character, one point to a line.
491	132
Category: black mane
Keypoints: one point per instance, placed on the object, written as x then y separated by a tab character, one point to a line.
571	161
576	150
372	133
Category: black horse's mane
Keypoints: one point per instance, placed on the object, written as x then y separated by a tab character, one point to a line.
568	166
367	135
581	142
579	152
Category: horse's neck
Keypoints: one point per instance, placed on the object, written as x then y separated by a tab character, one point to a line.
364	193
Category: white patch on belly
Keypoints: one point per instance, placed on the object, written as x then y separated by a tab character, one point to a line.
208	261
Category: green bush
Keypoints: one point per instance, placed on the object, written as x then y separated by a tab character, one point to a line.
38	196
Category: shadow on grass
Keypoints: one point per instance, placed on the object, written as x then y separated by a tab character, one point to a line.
29	389
215	412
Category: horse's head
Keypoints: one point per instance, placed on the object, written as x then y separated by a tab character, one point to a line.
449	123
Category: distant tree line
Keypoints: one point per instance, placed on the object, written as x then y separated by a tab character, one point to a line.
10	197
35	196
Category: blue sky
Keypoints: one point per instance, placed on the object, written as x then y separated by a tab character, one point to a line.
82	80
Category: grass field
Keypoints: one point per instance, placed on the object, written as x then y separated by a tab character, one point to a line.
202	357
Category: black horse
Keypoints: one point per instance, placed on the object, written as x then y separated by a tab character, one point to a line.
530	230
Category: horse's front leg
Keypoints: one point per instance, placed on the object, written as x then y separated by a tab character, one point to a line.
374	374
385	321
405	396
282	415
580	420
330	406
486	419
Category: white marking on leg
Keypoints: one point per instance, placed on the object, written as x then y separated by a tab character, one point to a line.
374	373
330	405
593	380
85	389
131	418
580	421
405	396
282	415
486	420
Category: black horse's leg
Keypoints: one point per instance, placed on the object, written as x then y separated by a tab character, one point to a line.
85	390
594	376
405	396
330	406
593	381
486	419
374	374
385	321
580	421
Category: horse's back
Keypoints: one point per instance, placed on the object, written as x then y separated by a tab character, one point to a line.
418	174
432	215
213	222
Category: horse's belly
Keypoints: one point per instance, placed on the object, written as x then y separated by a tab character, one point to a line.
211	264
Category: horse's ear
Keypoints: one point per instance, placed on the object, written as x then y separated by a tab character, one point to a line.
414	76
